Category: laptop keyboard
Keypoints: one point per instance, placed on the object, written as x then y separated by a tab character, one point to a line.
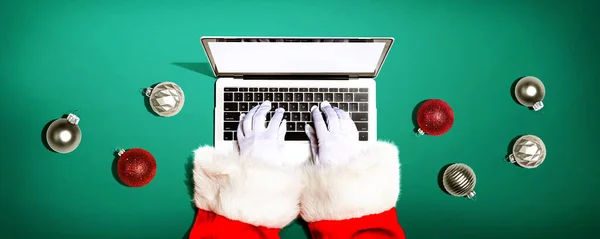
297	103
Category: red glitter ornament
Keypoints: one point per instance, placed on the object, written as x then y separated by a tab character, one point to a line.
435	117
136	167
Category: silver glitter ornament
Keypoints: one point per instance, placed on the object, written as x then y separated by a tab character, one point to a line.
528	151
459	180
530	92
64	134
166	98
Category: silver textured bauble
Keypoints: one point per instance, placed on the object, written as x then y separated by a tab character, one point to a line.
64	135
166	98
528	151
459	180
530	92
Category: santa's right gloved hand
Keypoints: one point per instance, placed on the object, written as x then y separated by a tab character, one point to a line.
334	140
259	142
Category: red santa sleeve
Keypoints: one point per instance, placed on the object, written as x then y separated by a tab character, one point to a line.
240	197
355	200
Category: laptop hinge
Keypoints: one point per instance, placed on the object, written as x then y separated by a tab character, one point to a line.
294	77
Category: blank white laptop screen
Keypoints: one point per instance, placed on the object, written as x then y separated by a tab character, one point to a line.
248	57
316	57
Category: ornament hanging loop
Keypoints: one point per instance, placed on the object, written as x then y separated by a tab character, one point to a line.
71	112
73	119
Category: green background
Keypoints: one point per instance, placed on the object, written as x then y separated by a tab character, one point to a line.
95	57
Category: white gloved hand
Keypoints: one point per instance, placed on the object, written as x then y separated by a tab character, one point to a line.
334	143
259	142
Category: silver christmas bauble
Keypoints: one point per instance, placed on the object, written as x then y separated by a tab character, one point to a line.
528	151
64	135
530	92
166	98
459	180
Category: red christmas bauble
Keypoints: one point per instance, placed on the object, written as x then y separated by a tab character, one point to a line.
136	167
435	117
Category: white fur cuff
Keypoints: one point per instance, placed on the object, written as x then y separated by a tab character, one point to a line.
244	189
368	184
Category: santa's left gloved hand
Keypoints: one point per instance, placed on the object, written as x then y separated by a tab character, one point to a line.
262	142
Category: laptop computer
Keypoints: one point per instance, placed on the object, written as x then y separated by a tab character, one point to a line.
294	73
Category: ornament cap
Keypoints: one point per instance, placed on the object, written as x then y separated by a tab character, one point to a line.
538	105
511	158
73	119
148	91
120	151
420	131
471	195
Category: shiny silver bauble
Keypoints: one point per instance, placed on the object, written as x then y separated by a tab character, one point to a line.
530	92
64	135
459	180
528	151
166	99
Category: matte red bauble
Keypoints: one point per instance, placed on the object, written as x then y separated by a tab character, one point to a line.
136	167
435	117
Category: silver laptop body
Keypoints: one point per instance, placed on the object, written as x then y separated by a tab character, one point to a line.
294	73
